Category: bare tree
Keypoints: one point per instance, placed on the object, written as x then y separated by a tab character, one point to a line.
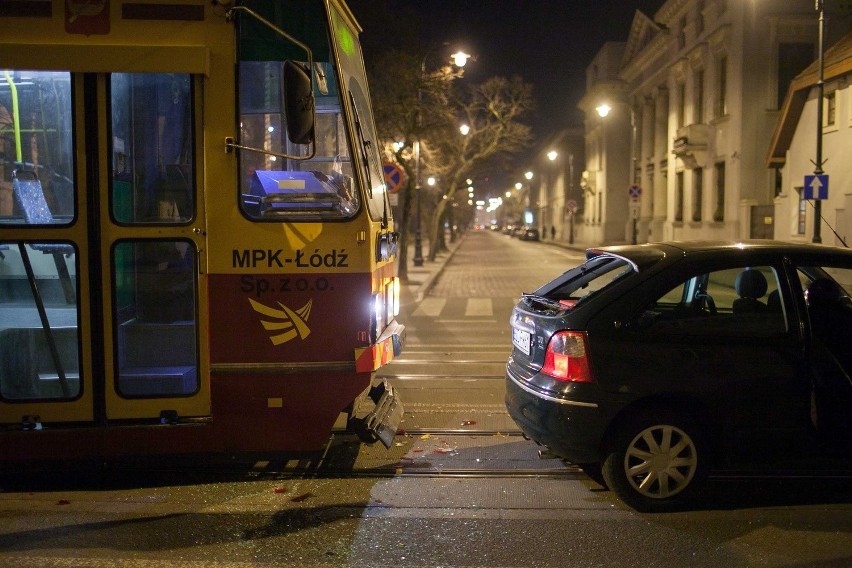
409	103
492	111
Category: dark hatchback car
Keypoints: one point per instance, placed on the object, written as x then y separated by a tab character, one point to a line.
650	366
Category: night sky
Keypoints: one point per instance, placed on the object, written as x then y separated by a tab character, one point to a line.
549	43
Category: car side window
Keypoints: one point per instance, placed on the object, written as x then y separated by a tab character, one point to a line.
742	301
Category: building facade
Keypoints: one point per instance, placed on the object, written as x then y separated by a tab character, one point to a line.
694	95
793	151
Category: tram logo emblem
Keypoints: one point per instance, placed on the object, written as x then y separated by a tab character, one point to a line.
287	324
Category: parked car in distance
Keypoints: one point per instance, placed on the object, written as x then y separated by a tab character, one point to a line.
650	366
529	234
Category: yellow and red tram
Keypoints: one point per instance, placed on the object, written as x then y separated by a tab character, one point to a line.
196	245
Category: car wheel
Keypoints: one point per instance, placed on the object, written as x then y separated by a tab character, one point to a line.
656	462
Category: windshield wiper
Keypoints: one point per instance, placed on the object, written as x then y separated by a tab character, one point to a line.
555	304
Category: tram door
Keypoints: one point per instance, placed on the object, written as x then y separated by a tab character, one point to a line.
151	238
100	233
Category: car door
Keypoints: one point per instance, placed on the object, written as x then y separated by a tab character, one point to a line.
681	340
824	286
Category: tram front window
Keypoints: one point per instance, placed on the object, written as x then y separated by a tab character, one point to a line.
39	347
276	188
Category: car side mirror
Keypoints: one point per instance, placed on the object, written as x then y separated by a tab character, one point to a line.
298	96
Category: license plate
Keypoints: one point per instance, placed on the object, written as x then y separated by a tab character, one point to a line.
521	340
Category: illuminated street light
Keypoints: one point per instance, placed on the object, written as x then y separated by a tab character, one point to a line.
519	186
431	181
528	175
464	129
603	110
460	58
552	155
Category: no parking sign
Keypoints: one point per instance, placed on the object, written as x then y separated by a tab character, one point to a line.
394	176
634	191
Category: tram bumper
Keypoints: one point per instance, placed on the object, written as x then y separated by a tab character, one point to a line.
382	422
387	346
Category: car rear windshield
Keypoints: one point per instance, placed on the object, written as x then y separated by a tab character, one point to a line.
586	280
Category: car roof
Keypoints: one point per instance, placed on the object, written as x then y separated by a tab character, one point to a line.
688	247
650	253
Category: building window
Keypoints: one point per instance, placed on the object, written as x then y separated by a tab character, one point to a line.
681	38
678	216
699	96
792	60
779	182
803	211
719	209
697	193
830	109
681	105
722	87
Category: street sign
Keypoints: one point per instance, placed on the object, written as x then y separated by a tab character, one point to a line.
571	205
634	191
394	176
634	209
816	187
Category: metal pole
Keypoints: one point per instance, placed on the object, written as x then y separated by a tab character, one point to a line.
820	93
418	240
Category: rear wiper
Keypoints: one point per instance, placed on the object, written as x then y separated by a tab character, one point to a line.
555	304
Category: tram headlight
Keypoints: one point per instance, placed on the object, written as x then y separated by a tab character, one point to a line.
395	296
378	314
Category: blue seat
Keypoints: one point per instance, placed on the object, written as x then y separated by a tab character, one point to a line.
29	196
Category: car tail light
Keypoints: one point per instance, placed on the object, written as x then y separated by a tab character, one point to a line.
567	359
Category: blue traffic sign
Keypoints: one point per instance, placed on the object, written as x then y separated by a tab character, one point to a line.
394	176
816	187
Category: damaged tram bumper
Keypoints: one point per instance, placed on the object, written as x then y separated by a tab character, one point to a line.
377	414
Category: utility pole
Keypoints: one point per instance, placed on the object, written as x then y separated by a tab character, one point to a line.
820	93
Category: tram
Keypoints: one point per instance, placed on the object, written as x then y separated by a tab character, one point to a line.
196	245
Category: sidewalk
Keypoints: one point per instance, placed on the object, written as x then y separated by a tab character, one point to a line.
421	278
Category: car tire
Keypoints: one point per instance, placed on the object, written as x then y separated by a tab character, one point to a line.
656	462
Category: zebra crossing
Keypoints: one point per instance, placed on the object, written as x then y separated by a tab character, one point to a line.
462	309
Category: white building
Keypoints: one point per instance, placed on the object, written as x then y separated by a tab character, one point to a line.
793	150
695	93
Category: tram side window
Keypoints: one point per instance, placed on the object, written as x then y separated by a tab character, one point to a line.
276	188
156	312
36	148
152	148
39	315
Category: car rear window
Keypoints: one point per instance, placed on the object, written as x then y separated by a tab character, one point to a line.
586	280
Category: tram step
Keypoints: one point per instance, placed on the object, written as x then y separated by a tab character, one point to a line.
146	344
142	381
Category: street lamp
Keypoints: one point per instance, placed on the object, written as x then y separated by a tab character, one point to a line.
459	59
464	129
603	110
552	155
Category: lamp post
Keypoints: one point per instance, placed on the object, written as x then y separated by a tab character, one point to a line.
459	59
820	93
